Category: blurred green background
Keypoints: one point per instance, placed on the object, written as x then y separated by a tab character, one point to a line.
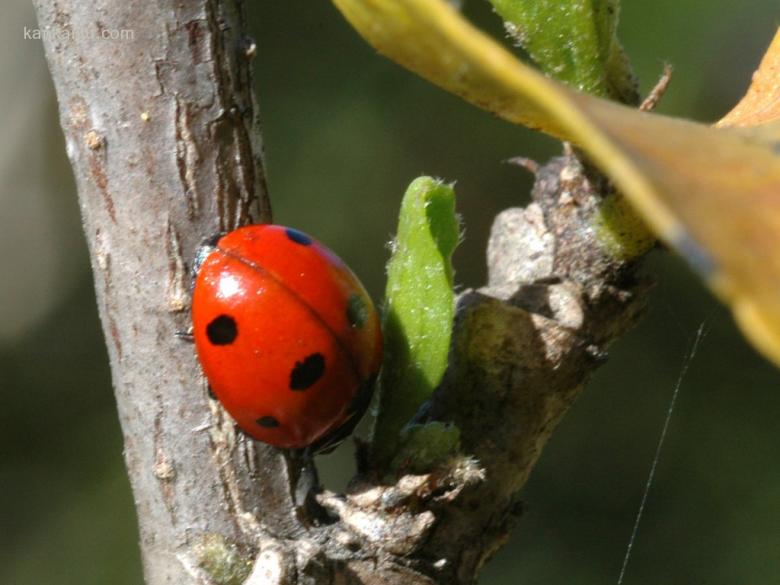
345	132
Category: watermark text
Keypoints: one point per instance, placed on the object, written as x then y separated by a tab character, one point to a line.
73	34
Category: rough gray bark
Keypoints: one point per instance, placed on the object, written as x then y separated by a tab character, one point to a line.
162	134
163	137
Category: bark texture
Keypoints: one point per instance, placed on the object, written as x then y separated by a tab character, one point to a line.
162	133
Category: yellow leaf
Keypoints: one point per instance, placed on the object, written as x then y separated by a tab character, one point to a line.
711	193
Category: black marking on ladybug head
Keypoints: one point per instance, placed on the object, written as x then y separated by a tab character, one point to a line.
306	373
206	247
357	312
267	422
211	392
298	237
222	330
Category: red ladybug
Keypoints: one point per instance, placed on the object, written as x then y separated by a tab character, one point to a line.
288	338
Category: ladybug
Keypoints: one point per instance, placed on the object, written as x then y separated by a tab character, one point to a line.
287	336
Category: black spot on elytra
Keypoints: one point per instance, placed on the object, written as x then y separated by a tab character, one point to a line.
357	312
306	373
267	422
222	330
298	237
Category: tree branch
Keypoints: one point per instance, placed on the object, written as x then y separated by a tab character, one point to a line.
161	130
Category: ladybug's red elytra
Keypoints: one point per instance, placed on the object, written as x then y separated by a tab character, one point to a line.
287	336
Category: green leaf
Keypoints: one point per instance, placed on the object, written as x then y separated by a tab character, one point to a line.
573	41
419	309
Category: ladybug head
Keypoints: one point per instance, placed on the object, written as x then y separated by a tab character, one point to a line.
205	248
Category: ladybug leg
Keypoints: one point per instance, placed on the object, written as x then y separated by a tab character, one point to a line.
308	479
185	335
307	486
